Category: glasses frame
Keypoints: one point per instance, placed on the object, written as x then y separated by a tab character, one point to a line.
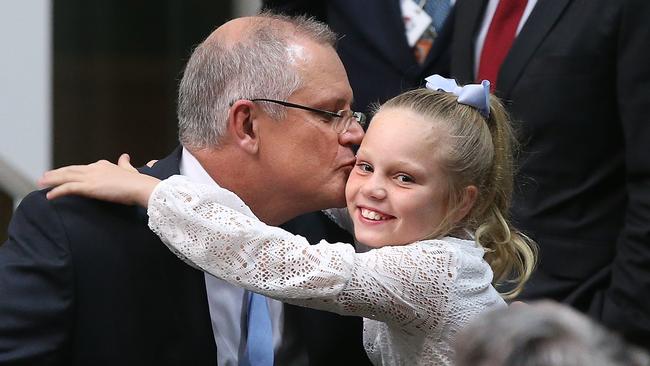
359	117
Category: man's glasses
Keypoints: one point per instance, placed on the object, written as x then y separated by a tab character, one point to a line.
340	121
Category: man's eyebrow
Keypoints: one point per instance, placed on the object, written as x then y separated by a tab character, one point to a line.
332	100
342	101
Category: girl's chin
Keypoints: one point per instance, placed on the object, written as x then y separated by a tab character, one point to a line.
372	241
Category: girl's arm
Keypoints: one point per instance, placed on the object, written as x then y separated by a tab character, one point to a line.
211	228
409	286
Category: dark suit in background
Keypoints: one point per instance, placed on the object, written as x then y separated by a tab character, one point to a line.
83	282
577	83
372	45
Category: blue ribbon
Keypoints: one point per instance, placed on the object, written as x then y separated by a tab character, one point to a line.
475	95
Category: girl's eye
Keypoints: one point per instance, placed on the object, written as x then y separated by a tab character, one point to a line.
365	167
403	178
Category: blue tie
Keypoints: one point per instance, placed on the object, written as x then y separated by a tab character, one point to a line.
259	341
438	11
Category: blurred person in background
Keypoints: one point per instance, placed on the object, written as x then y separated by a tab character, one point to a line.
542	334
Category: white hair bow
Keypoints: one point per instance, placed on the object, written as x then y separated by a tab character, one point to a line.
475	95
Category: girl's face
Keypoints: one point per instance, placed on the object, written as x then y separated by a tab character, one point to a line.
397	192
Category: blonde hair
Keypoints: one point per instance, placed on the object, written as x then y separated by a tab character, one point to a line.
480	153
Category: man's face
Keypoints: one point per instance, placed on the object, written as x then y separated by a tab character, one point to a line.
309	161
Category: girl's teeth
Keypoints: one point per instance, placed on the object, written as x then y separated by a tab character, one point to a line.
371	215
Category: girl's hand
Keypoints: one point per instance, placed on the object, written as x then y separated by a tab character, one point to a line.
102	180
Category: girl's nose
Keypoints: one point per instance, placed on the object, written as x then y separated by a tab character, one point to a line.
374	189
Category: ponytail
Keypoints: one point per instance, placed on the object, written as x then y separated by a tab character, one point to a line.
510	253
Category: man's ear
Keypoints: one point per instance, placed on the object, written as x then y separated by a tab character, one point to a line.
243	120
466	202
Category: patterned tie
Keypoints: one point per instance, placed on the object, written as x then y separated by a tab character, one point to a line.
259	342
438	11
499	38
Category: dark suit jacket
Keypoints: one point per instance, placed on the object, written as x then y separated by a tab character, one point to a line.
373	47
84	282
577	83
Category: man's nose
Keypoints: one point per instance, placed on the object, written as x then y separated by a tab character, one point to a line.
352	136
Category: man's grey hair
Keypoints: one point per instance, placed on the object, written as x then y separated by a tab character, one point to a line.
258	65
541	334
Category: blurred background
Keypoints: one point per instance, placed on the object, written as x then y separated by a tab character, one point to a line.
82	80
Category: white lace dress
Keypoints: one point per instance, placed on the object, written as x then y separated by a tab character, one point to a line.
414	298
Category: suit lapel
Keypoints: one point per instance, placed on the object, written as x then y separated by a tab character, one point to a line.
468	16
542	19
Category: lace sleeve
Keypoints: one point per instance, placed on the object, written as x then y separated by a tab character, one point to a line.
409	285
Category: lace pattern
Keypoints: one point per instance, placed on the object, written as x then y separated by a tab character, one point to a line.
415	297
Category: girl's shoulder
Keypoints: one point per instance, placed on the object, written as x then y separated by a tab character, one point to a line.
454	245
466	255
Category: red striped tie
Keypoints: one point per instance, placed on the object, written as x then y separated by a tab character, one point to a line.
499	38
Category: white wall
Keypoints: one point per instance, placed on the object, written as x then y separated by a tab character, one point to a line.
25	85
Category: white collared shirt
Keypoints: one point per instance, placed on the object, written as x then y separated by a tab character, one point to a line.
227	303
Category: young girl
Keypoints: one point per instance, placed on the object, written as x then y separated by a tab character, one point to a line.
429	194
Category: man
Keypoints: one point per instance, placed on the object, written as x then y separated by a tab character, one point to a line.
84	282
577	80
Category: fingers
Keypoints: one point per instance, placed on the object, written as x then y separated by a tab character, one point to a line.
65	189
61	175
125	162
101	180
68	175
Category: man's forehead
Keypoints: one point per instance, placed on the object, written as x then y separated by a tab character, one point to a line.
297	54
324	80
